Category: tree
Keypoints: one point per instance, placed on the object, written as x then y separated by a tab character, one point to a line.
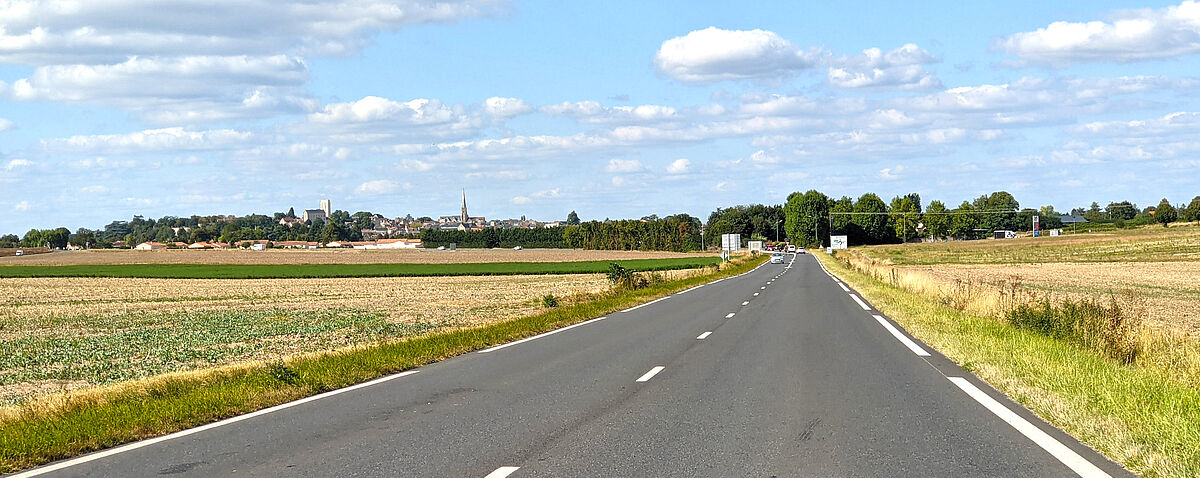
872	219
840	220
805	217
963	222
937	223
1123	210
291	212
1192	211
906	212
1165	213
9	241
572	219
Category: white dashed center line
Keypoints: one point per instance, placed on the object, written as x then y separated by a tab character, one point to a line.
703	336
746	303
649	375
756	294
502	472
730	316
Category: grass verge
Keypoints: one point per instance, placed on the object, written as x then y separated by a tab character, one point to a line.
73	424
1139	418
307	271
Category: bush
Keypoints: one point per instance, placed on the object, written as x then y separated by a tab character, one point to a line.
625	278
283	373
1105	329
549	300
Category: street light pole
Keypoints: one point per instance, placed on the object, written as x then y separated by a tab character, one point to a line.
777	221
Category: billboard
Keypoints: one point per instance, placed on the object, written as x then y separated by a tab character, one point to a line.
839	242
731	242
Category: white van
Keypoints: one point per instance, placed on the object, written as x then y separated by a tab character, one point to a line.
791	248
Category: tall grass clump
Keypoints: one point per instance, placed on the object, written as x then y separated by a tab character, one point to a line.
1105	329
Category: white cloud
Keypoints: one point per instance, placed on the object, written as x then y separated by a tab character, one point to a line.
721	186
379	186
594	112
714	54
55	32
22	206
1132	35
374	108
165	139
763	157
374	119
547	193
679	166
93	189
890	174
506	107
900	68
617	165
1179	123
5	124
17	163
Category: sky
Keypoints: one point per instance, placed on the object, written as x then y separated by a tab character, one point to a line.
614	109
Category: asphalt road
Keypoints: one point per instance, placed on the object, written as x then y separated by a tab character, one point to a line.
779	372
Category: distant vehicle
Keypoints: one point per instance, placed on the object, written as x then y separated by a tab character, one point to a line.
441	248
800	250
517	248
777	258
1005	235
20	252
791	248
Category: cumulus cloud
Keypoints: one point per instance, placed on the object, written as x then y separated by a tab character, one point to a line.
594	112
1132	35
546	193
5	124
178	89
17	163
506	107
165	139
22	206
714	54
1179	123
379	186
373	119
679	166
902	68
616	165
82	32
196	61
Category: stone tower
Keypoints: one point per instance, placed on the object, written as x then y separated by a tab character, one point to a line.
464	217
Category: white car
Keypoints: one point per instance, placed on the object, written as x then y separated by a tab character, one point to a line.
777	258
800	250
791	248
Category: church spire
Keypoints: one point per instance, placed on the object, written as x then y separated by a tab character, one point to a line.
464	218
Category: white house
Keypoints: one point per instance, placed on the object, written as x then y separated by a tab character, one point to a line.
150	246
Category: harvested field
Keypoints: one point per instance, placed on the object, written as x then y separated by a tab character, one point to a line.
70	333
1172	287
330	256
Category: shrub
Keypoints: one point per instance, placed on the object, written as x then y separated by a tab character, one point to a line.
1105	329
283	373
625	278
549	300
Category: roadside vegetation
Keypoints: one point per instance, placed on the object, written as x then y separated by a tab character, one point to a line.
1099	360
282	271
67	424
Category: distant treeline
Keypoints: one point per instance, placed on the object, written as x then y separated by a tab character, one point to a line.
678	233
546	237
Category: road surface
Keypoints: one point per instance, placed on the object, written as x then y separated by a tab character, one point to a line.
783	371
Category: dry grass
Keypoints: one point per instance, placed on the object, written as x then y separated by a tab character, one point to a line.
70	333
328	256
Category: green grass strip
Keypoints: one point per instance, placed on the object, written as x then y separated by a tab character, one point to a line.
304	271
165	405
1140	419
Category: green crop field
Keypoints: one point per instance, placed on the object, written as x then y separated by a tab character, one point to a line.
301	271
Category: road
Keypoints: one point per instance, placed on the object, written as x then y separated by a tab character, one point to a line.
783	371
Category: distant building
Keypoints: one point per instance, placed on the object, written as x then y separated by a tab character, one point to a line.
315	214
325	207
150	246
1068	219
290	221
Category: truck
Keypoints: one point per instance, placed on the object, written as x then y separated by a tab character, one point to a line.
1005	235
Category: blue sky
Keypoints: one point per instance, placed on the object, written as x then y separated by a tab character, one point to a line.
613	109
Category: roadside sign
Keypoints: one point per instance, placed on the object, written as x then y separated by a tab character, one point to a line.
839	242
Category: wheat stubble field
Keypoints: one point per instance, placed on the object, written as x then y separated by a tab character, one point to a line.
69	333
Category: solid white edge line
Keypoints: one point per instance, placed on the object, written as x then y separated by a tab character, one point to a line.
689	290
190	431
847	289
730	316
502	472
860	302
552	332
703	336
649	375
916	349
1064	454
636	307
